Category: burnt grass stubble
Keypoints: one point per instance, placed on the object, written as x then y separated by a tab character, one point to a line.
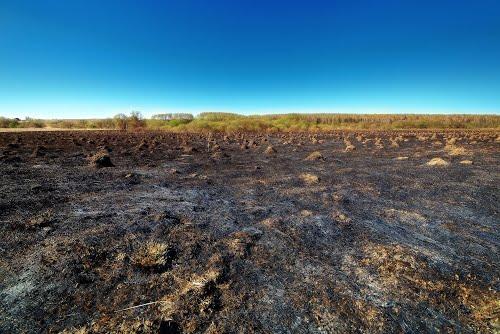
219	234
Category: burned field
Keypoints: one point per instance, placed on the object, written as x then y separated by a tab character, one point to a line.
285	233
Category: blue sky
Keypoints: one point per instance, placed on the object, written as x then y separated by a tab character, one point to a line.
79	59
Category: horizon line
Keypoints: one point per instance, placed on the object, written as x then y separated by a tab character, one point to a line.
148	112
195	114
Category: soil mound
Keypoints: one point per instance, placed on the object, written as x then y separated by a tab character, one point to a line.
101	159
438	162
270	150
309	178
315	156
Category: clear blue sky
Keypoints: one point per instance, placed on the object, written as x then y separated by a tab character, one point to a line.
76	59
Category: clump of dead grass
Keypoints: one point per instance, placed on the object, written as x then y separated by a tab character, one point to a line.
341	218
153	255
270	150
349	147
437	162
455	150
394	143
315	156
309	178
220	155
101	159
41	220
400	271
378	144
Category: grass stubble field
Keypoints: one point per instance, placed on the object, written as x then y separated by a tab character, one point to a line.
332	232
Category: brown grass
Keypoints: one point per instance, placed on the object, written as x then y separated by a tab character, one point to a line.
151	255
438	162
309	178
226	122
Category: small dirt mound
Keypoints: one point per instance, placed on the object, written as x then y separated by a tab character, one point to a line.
309	178
42	220
270	150
455	150
438	162
341	218
436	143
215	147
378	144
349	147
394	143
451	141
101	159
219	155
154	256
315	156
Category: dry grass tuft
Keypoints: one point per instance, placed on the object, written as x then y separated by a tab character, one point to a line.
315	156
152	255
378	144
41	220
270	150
218	155
341	218
451	141
455	150
438	162
101	159
309	178
394	143
349	146
422	138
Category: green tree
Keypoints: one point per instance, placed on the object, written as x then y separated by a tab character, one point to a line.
135	120
120	121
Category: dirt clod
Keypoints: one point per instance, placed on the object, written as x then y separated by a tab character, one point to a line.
270	150
315	156
101	159
437	162
309	178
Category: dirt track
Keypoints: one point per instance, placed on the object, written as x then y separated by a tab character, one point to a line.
226	235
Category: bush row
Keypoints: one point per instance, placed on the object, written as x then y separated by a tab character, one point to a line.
229	122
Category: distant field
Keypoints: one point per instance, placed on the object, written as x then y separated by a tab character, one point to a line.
228	122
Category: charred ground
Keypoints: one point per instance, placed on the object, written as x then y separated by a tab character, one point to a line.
189	233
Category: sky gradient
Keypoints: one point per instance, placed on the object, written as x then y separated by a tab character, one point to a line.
85	59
